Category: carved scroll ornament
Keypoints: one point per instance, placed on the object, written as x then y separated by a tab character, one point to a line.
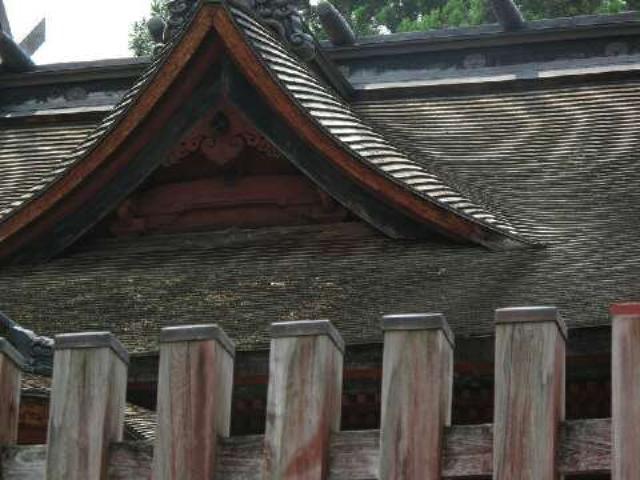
221	141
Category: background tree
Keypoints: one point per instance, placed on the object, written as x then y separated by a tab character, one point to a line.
140	42
371	17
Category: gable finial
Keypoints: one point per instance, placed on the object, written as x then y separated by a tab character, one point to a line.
179	13
282	16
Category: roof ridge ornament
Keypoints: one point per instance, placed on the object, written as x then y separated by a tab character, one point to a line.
281	16
180	12
284	18
335	25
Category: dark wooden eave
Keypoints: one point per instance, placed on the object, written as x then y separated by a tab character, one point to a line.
213	57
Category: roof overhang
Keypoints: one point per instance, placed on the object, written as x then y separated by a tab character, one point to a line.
213	57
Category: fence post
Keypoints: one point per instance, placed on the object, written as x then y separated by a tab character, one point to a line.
529	392
195	383
11	365
417	378
625	383
304	399
88	397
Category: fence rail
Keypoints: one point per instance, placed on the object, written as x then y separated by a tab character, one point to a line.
529	440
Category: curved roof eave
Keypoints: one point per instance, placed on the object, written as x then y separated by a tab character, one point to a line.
291	89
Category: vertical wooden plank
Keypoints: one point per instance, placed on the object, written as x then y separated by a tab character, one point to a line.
304	399
194	401
88	397
529	393
11	365
625	383
417	378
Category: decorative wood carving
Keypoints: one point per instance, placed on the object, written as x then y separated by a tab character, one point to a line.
179	13
282	16
221	139
223	173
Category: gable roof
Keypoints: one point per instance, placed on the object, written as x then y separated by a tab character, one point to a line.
563	157
92	179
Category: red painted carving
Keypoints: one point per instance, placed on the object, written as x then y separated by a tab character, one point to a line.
223	174
213	203
220	137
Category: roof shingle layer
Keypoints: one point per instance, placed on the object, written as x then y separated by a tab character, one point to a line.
356	135
31	156
319	102
563	160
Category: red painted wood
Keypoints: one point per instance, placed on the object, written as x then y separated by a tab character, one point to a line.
529	394
631	308
625	378
10	376
221	193
303	407
215	203
194	408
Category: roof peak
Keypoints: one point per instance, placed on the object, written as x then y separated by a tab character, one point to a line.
280	16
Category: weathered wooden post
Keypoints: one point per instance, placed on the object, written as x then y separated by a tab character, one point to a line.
417	379
625	383
11	365
529	392
195	383
304	399
88	397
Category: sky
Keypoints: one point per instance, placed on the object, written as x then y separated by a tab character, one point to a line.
77	30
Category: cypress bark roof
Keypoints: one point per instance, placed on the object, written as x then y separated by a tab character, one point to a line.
312	110
561	161
564	159
31	156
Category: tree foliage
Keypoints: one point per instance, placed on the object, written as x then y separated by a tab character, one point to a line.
382	16
140	42
371	17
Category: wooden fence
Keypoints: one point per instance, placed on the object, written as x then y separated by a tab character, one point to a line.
529	439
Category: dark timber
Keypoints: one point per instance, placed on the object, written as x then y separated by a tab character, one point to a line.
14	58
508	14
335	25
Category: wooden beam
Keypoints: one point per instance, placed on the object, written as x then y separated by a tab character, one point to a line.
417	380
34	40
5	24
14	58
128	461
11	365
194	401
303	401
585	449
87	405
625	383
529	392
